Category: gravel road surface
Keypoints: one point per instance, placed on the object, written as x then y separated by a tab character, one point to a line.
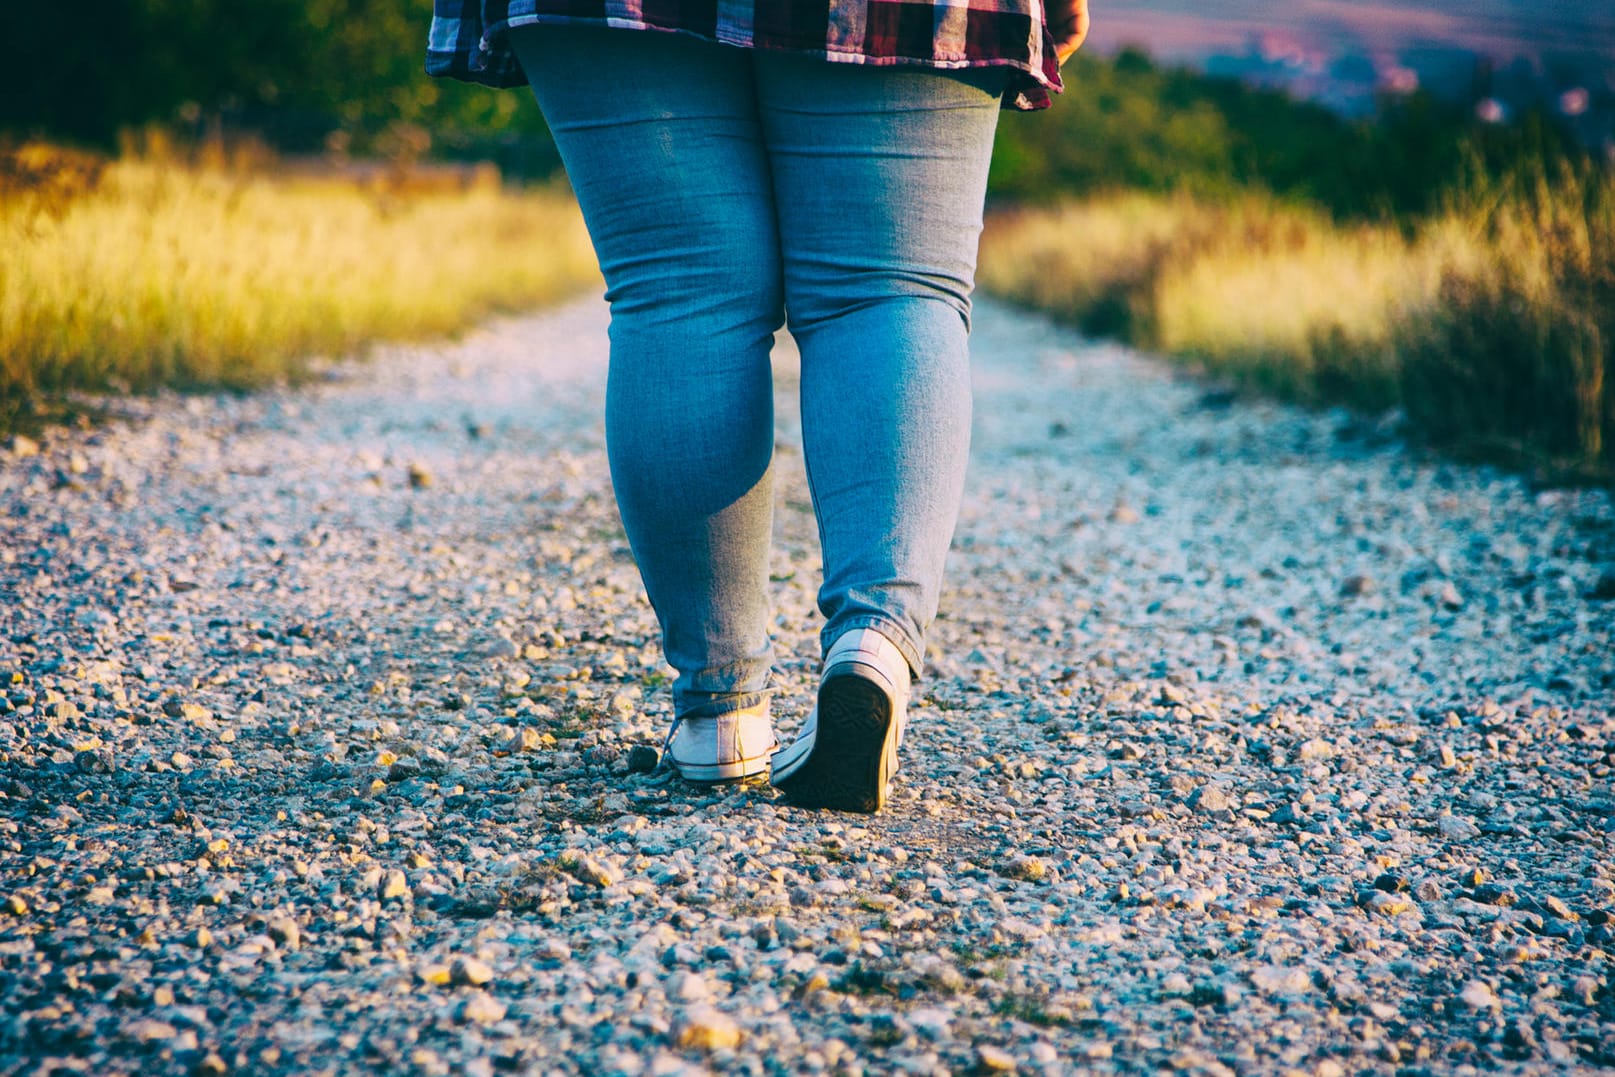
1253	742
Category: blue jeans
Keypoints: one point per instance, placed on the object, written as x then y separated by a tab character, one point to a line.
726	190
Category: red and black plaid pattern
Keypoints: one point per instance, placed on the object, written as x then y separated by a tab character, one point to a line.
467	39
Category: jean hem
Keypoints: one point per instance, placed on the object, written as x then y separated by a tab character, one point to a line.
887	627
720	704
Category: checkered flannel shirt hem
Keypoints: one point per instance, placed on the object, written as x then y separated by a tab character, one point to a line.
467	38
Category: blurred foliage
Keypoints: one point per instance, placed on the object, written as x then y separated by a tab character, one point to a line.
1128	124
294	71
313	75
222	266
1490	325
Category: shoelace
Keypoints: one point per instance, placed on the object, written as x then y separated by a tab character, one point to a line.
671	731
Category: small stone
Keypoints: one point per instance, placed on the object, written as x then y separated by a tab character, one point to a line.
690	987
1585	989
190	712
1176	985
590	870
16	906
211	1065
481	1008
1478	995
403	769
419	477
1557	907
602	755
1518	1037
1027	868
1356	586
394	885
469	970
499	647
150	1030
990	1059
20	446
1281	980
708	1029
1456	828
642	759
931	1022
201	938
531	739
1210	799
1388	904
162	995
1124	513
285	932
1450	598
1315	749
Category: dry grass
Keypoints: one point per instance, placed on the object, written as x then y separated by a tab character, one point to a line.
1492	326
152	270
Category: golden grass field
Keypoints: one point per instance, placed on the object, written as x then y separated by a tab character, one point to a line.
158	269
1492	325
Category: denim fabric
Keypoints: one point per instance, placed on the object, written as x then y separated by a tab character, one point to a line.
723	189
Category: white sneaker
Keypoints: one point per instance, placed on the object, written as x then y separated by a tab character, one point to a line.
723	747
847	750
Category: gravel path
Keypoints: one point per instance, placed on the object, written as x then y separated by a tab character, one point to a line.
1254	743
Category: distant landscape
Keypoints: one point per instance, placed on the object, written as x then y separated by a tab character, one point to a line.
1344	54
1406	208
1499	28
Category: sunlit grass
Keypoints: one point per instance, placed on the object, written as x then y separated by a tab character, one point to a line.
1492	326
149	270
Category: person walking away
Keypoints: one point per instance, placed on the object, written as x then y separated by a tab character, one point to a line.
747	165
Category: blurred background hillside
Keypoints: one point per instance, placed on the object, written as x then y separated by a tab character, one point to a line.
1404	206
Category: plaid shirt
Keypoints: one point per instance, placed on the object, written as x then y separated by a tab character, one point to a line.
468	36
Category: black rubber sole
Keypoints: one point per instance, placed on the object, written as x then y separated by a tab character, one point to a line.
846	769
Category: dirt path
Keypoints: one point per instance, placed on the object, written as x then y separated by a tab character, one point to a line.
1253	742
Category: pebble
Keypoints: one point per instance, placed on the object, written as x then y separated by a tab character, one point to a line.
1456	828
394	885
21	447
708	1029
1209	799
383	760
481	1008
149	1030
470	970
992	1059
285	932
591	870
1356	586
642	759
1479	995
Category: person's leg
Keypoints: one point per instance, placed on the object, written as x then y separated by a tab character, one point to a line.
879	177
660	139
